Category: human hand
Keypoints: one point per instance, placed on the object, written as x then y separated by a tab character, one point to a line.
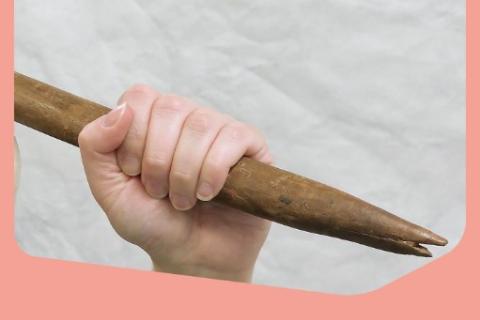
149	160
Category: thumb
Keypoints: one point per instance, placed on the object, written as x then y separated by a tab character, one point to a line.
98	142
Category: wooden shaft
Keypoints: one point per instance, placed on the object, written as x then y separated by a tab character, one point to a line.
251	186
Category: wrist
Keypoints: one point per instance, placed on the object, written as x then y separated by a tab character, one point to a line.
205	272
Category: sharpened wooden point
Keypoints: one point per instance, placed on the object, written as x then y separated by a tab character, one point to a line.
251	186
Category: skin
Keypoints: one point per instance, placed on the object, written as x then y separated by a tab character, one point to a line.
152	165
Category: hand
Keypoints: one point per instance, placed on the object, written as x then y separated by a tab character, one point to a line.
149	160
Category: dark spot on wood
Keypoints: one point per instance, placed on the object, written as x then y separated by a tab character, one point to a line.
285	200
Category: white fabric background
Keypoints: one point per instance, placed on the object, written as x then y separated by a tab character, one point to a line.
367	96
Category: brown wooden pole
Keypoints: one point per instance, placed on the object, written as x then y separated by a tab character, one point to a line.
251	186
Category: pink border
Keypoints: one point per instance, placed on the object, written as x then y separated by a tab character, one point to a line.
39	288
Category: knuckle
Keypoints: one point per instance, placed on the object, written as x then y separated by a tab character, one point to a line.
141	88
198	121
228	118
236	131
174	102
168	106
137	90
254	130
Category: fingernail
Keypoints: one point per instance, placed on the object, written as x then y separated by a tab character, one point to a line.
157	190
205	192
180	202
114	116
130	166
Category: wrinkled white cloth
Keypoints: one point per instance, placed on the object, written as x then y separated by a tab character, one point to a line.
367	96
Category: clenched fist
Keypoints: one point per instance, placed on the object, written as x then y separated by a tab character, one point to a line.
151	159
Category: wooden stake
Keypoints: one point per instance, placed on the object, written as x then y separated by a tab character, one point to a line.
251	186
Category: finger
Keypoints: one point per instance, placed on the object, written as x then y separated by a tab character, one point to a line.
140	98
233	142
98	141
166	121
198	133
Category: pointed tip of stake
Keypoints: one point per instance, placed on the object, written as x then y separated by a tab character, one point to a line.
407	232
438	240
433	239
428	237
394	234
423	237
